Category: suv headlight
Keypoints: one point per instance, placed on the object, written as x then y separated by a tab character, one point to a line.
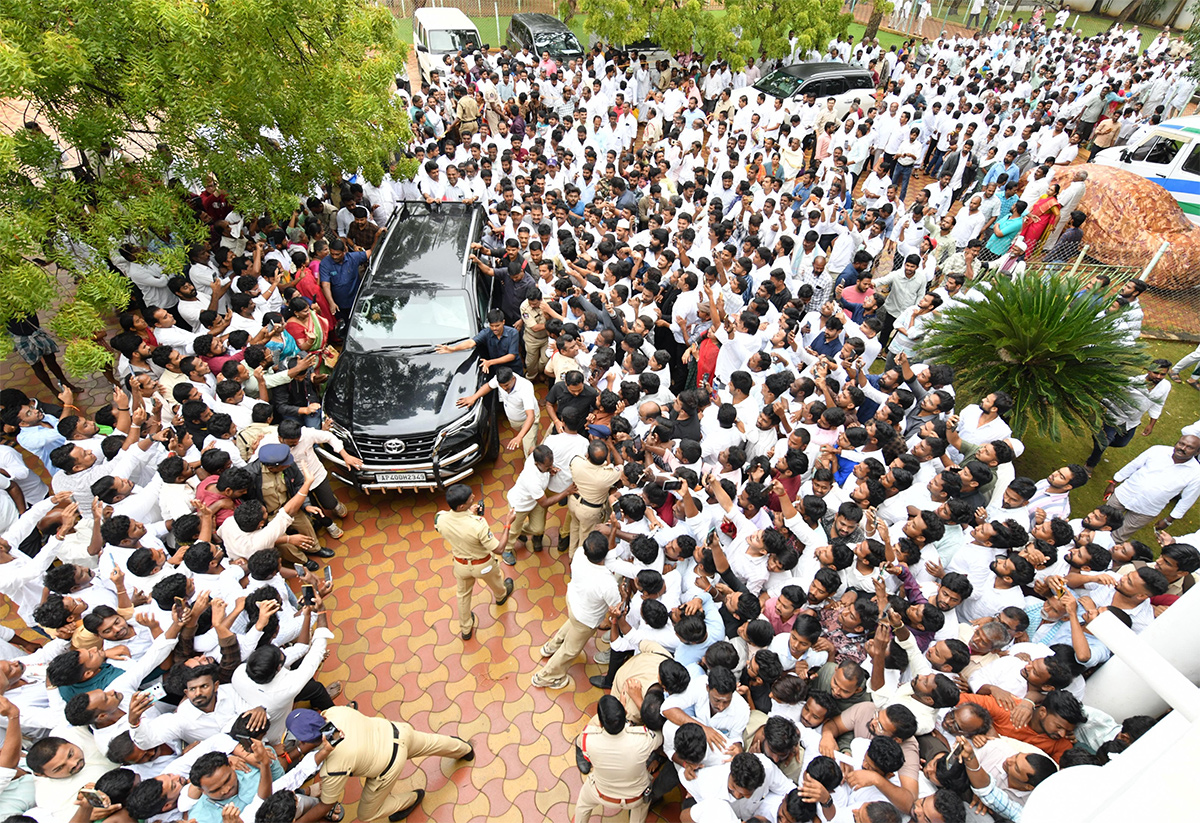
467	420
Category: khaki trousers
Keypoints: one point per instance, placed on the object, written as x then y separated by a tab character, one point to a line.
535	357
584	519
1133	520
465	576
385	795
531	524
530	439
589	801
567	643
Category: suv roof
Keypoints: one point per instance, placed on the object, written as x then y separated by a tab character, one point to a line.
537	21
806	71
438	19
425	245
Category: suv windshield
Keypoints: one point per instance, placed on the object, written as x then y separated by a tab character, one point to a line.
557	41
779	84
411	316
443	41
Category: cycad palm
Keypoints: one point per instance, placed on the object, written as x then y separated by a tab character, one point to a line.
1042	341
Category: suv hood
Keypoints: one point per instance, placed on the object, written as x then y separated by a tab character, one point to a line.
396	392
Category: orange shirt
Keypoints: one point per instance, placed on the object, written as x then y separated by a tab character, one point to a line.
1002	720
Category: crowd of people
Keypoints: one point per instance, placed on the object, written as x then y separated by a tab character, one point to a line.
816	585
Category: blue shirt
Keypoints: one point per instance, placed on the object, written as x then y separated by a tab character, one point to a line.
343	277
1008	228
493	347
208	810
40	441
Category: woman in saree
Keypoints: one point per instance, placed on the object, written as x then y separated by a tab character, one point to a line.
309	329
1041	216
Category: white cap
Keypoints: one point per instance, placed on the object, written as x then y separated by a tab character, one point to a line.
622	224
236	222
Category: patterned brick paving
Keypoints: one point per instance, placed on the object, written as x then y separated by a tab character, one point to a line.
400	656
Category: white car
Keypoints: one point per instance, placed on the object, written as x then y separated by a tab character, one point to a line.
1167	154
845	83
438	32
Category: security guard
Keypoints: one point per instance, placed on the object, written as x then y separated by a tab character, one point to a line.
593	476
375	750
618	753
475	550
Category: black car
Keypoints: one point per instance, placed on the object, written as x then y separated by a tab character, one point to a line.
543	33
391	397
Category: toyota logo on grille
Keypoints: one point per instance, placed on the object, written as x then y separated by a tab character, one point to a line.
394	446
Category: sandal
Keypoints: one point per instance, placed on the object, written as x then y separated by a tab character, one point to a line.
334	689
336	814
1193	382
1175	378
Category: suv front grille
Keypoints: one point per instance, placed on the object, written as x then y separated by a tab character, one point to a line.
417	449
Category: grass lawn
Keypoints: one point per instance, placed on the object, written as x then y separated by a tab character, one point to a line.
1042	455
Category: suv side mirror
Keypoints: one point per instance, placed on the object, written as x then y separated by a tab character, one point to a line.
422	48
1125	156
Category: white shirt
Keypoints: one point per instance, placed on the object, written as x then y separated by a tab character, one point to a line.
1150	480
529	487
591	592
518	401
277	696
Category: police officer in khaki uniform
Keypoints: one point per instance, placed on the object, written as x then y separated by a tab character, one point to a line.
533	328
374	750
619	776
593	476
475	551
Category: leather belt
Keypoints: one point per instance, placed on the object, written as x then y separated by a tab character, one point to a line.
617	801
395	750
475	562
589	503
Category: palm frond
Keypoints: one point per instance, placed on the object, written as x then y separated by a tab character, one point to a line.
1050	346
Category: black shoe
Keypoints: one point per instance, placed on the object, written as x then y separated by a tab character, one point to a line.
469	756
537	542
599	681
324	551
582	762
508	590
564	543
396	817
312	565
467	635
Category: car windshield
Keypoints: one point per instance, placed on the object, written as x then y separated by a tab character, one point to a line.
557	41
779	84
411	316
444	41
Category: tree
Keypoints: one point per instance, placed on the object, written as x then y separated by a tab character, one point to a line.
1039	339
745	27
878	11
270	97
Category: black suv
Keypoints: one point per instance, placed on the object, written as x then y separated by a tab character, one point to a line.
391	397
542	32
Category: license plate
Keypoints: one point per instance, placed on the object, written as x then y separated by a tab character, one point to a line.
401	477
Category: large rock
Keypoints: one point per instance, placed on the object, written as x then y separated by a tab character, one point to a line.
1128	219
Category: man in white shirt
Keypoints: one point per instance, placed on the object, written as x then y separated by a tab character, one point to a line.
1144	486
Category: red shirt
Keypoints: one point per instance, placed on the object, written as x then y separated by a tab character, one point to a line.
207	494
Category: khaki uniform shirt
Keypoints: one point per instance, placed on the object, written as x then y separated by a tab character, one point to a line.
274	490
533	317
642	669
592	481
468	534
619	760
467	111
364	752
560	364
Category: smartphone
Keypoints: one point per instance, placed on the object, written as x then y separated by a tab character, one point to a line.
299	569
328	574
95	799
672	485
180	603
308	597
328	731
956	752
156	692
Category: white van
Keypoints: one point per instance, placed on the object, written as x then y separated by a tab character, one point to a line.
441	31
1167	154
